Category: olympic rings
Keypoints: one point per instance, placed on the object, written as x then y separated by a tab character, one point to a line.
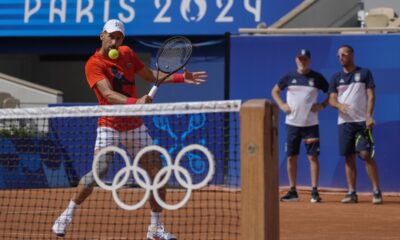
161	179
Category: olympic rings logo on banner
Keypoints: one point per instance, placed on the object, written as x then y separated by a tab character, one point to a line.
143	180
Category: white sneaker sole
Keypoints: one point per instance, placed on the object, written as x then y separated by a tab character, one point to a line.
57	227
58	234
290	200
377	201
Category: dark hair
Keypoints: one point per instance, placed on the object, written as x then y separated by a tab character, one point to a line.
350	48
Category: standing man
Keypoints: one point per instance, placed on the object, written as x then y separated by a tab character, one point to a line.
301	110
113	82
352	92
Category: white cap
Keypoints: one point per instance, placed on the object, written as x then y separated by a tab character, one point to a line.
114	25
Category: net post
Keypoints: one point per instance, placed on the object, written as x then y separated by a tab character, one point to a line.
259	170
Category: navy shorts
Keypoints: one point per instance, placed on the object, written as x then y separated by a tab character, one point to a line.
352	138
310	136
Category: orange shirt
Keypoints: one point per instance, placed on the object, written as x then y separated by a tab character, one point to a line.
120	73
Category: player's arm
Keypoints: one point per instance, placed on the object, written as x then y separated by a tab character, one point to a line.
147	74
325	103
186	77
320	106
114	97
323	86
333	101
370	107
276	95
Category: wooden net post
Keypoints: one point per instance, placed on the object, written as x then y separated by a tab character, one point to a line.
259	170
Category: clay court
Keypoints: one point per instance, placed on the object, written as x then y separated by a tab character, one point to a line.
332	220
210	214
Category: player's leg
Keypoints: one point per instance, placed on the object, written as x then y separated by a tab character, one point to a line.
347	149
292	170
292	151
312	143
87	182
152	163
364	149
351	172
105	137
372	171
314	170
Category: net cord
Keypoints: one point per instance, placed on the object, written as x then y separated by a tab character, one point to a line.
123	110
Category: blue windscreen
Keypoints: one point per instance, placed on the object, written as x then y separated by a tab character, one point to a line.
258	62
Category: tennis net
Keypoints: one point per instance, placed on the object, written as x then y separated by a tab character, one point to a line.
45	153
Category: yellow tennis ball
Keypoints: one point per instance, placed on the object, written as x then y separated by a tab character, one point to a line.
113	54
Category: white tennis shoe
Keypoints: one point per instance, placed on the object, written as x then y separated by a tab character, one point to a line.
61	224
159	233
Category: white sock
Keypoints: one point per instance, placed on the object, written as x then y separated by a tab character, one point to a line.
70	209
155	219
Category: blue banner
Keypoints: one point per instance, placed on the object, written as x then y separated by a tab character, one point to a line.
142	17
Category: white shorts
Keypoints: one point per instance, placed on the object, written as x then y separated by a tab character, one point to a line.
133	140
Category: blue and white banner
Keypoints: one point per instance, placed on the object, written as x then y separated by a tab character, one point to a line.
142	17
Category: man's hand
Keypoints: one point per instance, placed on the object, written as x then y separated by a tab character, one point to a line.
344	108
194	77
145	99
370	122
316	107
285	108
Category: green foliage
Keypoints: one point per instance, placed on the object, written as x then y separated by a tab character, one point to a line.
17	132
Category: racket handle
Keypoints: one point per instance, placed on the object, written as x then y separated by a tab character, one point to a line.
153	91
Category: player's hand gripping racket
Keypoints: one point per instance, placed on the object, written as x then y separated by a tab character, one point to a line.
367	136
172	56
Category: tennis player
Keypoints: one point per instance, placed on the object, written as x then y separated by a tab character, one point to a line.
352	92
301	108
113	82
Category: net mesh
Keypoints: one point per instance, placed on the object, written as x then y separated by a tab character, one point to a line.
45	153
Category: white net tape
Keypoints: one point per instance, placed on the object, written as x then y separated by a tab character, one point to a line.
122	110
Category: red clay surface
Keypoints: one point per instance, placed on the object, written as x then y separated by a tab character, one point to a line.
210	214
332	220
29	214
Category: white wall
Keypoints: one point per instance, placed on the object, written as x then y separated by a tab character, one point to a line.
29	94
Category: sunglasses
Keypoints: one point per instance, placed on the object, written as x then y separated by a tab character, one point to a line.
302	58
343	55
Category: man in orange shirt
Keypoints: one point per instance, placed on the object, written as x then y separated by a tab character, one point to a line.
113	81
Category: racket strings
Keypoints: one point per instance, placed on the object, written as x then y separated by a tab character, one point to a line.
174	54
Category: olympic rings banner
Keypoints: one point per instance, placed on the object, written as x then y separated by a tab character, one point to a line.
162	177
142	17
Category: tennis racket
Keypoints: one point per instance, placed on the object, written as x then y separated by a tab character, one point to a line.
172	56
367	135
